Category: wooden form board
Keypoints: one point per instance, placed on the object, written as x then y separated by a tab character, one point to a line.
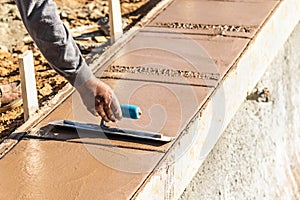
115	20
28	84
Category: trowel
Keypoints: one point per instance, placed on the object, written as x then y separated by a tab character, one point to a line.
129	112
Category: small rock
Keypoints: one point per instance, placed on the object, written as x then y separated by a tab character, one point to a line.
27	39
3	48
63	15
4	54
72	17
20	49
4	71
37	62
96	14
100	39
82	15
91	6
46	90
104	4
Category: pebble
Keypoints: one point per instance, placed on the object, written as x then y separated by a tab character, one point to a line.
63	15
100	39
3	48
27	39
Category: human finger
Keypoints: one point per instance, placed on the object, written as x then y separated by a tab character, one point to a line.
107	109
115	107
99	108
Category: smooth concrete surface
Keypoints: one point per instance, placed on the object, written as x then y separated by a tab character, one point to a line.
47	169
167	108
258	156
208	56
244	17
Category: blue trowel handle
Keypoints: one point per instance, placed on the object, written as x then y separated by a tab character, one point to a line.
130	111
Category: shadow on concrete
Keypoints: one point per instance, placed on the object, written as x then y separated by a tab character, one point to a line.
66	134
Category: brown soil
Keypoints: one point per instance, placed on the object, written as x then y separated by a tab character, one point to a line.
75	14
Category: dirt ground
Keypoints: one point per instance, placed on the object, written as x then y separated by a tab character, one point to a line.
78	15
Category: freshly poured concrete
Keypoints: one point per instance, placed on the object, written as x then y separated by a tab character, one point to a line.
45	169
70	165
210	57
166	108
217	16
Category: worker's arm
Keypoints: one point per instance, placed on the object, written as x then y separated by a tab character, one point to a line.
58	47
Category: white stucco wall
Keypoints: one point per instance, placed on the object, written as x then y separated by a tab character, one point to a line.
258	155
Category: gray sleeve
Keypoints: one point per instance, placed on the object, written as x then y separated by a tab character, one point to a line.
53	39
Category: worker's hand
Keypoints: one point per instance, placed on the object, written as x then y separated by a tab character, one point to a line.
100	99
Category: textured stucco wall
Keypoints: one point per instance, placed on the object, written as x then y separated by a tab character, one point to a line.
258	155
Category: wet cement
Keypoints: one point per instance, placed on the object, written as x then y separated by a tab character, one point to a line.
228	18
161	56
79	165
167	108
45	169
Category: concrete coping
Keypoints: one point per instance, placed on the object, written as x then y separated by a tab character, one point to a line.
174	172
169	177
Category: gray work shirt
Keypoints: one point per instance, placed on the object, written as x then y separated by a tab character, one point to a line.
54	40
